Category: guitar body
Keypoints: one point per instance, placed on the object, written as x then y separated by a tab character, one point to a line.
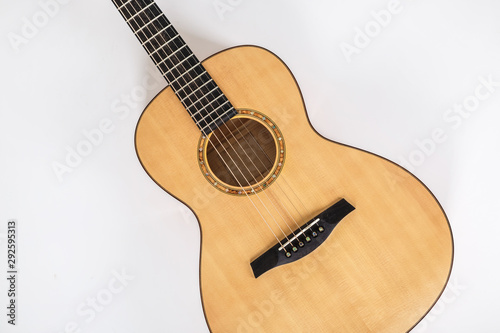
381	269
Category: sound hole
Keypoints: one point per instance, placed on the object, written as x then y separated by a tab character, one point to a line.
242	153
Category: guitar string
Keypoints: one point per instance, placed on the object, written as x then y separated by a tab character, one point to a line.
253	190
253	163
236	153
163	74
243	163
210	114
282	176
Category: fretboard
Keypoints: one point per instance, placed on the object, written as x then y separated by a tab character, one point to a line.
202	98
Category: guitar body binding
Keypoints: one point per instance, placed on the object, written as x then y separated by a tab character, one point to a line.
381	269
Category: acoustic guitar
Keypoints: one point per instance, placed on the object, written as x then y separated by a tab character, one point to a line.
299	233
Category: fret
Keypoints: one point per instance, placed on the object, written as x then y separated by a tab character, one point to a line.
139	12
211	115
150	22
204	94
152	29
204	111
202	118
175	42
188	83
123	5
163	54
136	6
131	8
155	10
216	101
168	42
218	111
169	75
217	122
171	55
177	76
208	92
163	41
185	91
139	19
199	89
174	67
156	34
192	84
209	104
214	121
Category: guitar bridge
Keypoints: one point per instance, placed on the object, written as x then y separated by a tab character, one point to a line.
303	240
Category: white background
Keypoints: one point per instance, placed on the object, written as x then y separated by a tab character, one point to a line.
107	216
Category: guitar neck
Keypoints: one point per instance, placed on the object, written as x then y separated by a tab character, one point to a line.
202	98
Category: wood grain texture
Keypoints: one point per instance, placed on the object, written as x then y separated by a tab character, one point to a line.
380	270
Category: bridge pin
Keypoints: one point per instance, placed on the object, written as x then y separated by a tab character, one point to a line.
321	229
308	239
301	244
295	249
315	234
288	254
